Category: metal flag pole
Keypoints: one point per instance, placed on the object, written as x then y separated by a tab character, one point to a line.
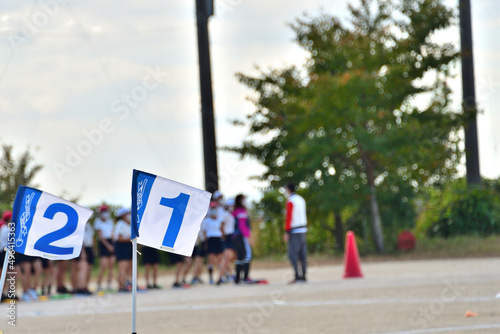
4	268
134	283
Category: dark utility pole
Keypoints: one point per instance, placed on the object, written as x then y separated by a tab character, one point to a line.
205	9
469	94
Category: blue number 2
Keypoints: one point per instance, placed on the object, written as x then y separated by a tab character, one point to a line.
178	205
44	243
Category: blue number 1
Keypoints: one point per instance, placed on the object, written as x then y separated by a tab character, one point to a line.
44	243
178	205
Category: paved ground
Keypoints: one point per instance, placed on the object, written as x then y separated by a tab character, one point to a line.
410	297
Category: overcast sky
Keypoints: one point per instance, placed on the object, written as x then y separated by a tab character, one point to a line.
99	88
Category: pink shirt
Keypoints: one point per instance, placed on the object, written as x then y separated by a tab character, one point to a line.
241	216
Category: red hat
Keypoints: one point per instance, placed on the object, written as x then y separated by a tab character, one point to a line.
7	215
103	208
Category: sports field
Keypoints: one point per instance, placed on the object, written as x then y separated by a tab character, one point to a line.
410	297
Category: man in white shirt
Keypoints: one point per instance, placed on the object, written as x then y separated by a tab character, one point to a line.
296	232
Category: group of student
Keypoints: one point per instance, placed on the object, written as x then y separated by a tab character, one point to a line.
224	240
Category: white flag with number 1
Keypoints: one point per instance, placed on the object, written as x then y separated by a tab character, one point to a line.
166	215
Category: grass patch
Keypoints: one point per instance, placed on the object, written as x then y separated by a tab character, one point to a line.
459	246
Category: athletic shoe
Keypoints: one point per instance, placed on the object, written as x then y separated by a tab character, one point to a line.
156	286
63	290
123	290
86	292
176	285
196	280
26	297
296	280
32	294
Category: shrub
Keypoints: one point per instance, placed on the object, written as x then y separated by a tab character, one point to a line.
460	210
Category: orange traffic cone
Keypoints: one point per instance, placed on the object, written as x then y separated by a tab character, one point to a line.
351	257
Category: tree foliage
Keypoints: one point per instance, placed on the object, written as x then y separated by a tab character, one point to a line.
270	208
15	172
370	112
461	210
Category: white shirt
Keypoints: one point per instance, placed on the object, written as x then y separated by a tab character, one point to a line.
106	227
201	237
121	229
212	227
88	236
299	217
4	237
228	220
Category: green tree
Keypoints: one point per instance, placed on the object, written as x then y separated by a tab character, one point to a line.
370	109
15	172
270	208
461	210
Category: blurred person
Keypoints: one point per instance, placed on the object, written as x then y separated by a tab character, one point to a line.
241	239
61	269
49	273
296	232
103	226
31	269
85	261
188	264
151	262
228	253
75	273
123	248
198	256
181	263
4	233
212	228
4	243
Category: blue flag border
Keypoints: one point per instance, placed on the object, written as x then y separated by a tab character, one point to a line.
19	203
137	212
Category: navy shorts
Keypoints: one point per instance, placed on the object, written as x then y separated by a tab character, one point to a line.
200	250
150	255
103	251
228	242
214	245
45	263
175	258
89	251
123	251
21	258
